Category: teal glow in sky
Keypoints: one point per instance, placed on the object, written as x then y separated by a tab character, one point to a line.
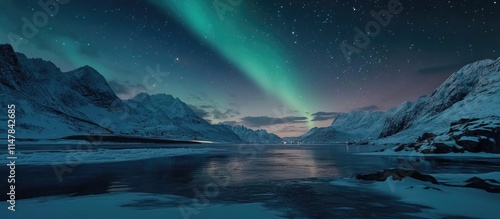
260	62
252	49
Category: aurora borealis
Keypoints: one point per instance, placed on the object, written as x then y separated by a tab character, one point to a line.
264	62
261	62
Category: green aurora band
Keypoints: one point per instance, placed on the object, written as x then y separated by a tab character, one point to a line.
239	40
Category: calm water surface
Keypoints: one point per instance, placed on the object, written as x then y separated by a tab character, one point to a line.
293	179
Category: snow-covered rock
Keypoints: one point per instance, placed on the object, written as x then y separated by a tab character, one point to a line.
465	135
442	195
254	136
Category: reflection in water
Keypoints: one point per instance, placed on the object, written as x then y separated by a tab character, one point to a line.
272	164
281	177
293	163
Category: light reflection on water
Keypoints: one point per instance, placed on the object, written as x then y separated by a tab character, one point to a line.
294	175
273	164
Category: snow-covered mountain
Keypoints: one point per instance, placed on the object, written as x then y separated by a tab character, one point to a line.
347	127
38	112
254	136
52	104
471	92
165	115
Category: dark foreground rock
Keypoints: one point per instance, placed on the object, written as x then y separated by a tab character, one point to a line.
396	174
488	185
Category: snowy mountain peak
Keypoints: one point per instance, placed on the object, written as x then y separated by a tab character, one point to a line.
176	108
86	72
41	69
254	136
349	126
10	72
344	118
164	97
54	104
7	53
469	80
473	91
145	97
91	85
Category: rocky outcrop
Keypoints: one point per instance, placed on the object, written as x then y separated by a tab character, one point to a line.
477	135
465	135
488	185
396	174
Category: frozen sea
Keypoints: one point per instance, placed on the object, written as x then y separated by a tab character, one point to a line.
238	181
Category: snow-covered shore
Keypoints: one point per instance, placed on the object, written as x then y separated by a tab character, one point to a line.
136	205
416	154
438	200
99	155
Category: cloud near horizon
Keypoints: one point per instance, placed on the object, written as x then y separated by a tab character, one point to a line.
440	69
231	123
259	121
216	114
199	111
229	113
368	108
322	116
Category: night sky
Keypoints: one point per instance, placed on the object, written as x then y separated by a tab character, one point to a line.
267	64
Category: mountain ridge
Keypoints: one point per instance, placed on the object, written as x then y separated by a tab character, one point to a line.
249	135
57	104
471	92
51	104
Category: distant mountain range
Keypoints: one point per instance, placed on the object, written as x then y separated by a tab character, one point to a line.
54	104
471	92
260	136
351	126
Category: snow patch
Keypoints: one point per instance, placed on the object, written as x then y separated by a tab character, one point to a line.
415	154
441	200
124	206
